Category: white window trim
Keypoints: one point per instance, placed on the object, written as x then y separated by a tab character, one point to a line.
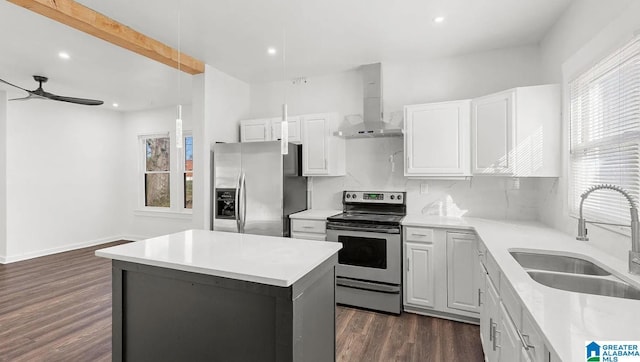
181	166
176	169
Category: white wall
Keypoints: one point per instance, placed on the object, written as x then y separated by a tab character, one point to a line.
588	31
64	177
219	102
138	224
368	163
3	176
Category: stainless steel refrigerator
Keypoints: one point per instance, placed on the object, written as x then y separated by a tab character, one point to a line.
256	188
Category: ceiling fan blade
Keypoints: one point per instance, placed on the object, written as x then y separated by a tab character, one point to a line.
83	101
30	96
13	85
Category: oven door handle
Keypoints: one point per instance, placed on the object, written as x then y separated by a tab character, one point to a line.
355	228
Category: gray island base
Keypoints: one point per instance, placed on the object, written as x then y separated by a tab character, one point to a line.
201	295
163	314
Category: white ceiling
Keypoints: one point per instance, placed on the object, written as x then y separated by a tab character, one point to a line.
232	35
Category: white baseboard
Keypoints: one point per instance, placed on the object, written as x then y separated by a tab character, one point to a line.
14	258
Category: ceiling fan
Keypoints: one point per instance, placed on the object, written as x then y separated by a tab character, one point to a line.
41	94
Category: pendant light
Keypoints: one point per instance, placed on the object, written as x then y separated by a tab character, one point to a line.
179	118
284	132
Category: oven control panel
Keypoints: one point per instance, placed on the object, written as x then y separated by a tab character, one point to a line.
380	197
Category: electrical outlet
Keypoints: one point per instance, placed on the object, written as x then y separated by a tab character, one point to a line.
424	188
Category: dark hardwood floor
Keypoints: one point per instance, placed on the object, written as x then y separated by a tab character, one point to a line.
58	308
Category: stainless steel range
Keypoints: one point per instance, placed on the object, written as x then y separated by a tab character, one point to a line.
369	273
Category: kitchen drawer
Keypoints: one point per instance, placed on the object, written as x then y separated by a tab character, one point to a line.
308	236
482	252
309	226
492	269
511	303
418	234
536	350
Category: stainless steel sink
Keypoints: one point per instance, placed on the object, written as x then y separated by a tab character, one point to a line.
586	284
557	263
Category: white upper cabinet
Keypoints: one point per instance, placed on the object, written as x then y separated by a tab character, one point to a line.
436	139
517	132
323	154
255	130
295	135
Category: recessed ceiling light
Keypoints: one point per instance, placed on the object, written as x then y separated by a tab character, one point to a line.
64	55
438	19
116	105
272	51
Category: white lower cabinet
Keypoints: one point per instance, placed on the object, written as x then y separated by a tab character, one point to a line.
462	273
507	340
491	312
441	277
507	331
420	286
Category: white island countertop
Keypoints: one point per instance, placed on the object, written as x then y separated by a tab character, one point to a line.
566	319
254	258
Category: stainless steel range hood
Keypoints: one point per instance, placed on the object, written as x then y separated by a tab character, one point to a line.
372	125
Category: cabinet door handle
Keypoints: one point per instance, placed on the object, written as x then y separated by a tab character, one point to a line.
423	235
525	343
495	338
491	329
408	264
479	297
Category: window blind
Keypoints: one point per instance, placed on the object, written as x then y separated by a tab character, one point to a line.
605	134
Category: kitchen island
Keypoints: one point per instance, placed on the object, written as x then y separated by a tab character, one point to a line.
217	296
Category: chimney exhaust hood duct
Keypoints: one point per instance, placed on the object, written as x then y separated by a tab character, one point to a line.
372	125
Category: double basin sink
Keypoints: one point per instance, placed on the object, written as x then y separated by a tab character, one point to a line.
574	274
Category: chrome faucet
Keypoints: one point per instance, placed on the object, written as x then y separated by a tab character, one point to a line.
634	253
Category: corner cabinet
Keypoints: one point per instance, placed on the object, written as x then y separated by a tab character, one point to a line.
517	132
463	279
323	153
436	141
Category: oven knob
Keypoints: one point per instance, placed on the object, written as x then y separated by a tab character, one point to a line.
348	196
392	197
399	197
353	196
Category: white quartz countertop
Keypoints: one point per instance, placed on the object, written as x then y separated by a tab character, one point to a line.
255	258
315	214
566	319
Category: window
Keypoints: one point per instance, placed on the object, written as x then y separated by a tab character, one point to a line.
187	184
157	177
605	134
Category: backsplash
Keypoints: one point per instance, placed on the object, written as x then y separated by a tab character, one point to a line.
377	164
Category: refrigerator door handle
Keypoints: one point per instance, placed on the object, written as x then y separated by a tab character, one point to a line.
243	185
237	203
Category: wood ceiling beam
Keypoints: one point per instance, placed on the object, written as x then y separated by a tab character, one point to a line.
87	20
